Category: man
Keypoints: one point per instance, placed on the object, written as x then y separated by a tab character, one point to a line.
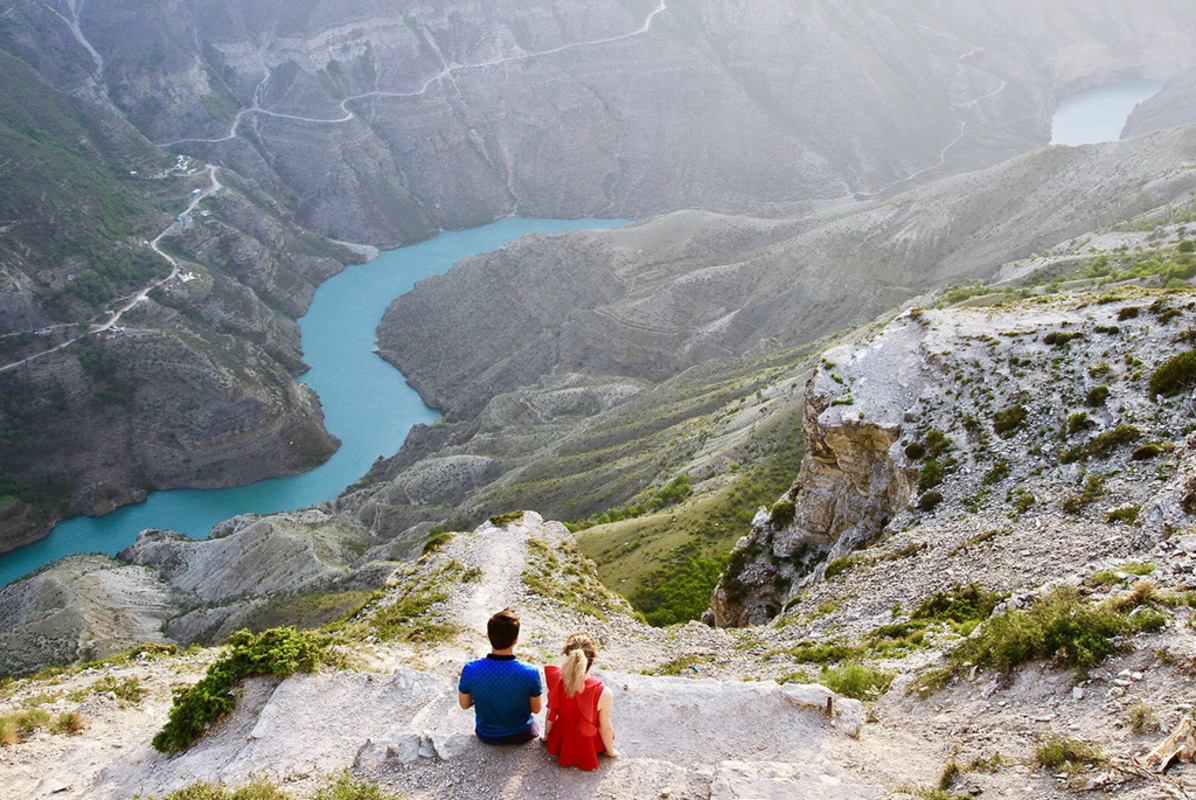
504	692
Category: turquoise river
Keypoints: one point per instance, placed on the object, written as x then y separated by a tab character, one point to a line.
367	404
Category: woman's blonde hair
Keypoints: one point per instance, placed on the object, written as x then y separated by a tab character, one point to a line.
580	652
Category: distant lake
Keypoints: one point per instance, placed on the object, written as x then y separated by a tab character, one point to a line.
366	401
1099	115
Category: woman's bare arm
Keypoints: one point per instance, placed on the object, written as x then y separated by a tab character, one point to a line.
605	701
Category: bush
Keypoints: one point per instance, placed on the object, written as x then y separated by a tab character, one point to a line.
1146	452
1067	754
929	500
858	681
1126	514
1058	625
1097	396
1103	445
1008	421
960	604
930	476
502	520
1176	374
914	451
839	566
782	514
279	652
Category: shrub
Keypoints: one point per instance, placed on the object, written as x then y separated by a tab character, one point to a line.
1126	514
858	681
29	721
437	540
502	520
279	652
8	731
68	722
1067	754
1097	396
999	472
937	443
914	451
929	500
1077	422
1129	312
1146	451
930	476
960	604
1174	375
1060	338
1058	625
1008	421
839	566
782	514
1103	445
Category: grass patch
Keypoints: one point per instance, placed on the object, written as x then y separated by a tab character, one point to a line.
859	681
1102	446
1065	754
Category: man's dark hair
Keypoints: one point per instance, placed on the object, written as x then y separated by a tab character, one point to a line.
503	629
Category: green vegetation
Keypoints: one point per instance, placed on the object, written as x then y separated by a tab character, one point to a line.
783	512
672	493
502	520
402	613
1177	373
679	590
568	579
279	652
929	500
127	692
1059	626
960	604
342	787
840	565
19	727
1102	446
1126	514
1097	396
1009	421
1065	754
859	681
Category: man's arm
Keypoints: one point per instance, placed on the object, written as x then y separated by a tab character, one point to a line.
535	703
466	700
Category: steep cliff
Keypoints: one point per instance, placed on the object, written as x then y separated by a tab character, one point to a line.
1055	412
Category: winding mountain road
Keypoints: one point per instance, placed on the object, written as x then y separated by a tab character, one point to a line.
130	301
448	71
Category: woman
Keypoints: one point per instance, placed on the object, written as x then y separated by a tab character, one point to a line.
578	725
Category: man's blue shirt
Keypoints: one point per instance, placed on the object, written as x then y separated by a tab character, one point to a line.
500	687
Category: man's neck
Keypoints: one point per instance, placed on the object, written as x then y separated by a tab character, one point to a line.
509	651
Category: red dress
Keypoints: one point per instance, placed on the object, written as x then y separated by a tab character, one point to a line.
574	737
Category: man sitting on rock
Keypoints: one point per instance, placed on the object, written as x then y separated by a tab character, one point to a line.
504	693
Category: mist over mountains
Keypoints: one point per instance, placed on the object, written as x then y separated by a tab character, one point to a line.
821	163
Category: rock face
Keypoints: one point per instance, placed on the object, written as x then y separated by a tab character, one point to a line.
852	482
381	127
1047	409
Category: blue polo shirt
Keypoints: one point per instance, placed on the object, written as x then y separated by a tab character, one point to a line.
500	687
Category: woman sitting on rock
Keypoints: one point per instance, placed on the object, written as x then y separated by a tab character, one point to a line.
578	725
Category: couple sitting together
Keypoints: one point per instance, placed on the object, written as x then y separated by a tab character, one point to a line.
506	695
